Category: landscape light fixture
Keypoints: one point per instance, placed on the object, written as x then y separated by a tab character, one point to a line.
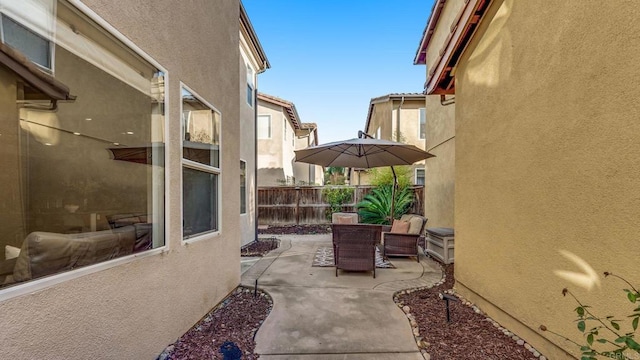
446	298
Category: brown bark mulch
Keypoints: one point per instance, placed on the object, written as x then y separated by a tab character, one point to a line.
307	229
259	247
469	335
236	319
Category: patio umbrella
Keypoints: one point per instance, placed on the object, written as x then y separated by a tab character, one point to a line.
364	153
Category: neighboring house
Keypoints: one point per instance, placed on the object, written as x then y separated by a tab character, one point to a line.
440	127
546	158
396	117
280	132
253	61
120	130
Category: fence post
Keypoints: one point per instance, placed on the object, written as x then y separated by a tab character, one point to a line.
297	205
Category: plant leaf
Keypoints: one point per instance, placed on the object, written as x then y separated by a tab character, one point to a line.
581	326
615	325
634	323
590	339
602	341
632	297
580	311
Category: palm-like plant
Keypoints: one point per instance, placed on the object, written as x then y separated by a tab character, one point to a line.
376	206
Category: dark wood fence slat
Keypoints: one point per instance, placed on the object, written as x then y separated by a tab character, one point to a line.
288	205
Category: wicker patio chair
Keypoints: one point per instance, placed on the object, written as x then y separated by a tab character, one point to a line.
405	244
354	246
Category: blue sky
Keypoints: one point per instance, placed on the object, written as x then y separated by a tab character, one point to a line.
331	57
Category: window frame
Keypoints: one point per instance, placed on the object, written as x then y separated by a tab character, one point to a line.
194	165
38	284
50	43
424	176
270	135
251	85
243	184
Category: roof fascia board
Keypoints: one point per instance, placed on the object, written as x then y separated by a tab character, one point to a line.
430	28
462	30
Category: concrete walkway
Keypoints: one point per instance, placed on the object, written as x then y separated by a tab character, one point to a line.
319	316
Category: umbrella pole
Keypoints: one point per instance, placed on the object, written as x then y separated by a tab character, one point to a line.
393	193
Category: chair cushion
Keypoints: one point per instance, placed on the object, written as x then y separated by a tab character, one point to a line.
345	220
415	225
400	227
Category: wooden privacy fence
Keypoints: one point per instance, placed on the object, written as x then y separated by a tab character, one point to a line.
288	205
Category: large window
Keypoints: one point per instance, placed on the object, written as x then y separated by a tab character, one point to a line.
200	165
82	150
423	123
264	127
243	187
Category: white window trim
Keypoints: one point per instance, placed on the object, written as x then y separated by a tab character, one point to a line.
200	167
49	281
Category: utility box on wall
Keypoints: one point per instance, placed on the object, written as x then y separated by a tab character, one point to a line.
439	244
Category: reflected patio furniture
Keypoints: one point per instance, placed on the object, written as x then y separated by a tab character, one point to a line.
354	246
405	244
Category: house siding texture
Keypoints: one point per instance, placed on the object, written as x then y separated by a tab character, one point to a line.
134	310
547	162
440	131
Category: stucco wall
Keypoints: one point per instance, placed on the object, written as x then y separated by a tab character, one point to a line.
440	170
248	154
547	162
271	158
134	310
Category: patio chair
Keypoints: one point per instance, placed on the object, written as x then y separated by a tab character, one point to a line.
404	243
355	246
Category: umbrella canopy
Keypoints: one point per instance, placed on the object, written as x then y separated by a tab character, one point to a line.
362	153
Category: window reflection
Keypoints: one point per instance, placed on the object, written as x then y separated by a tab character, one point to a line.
69	198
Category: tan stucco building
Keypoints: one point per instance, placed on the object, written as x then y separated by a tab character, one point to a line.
121	127
253	61
400	117
280	133
546	165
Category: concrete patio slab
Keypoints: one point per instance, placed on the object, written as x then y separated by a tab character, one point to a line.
317	315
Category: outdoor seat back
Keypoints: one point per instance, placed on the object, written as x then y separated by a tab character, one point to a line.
355	246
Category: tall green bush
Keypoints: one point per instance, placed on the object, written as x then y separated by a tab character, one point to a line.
336	197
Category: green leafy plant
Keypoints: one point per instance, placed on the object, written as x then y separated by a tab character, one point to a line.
383	176
376	206
606	330
336	197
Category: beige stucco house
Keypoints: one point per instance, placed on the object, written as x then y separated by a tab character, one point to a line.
280	133
398	117
253	61
121	127
439	180
546	165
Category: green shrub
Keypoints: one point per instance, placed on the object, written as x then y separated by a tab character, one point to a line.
336	197
376	206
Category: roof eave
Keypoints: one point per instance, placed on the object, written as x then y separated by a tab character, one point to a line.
441	77
256	47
